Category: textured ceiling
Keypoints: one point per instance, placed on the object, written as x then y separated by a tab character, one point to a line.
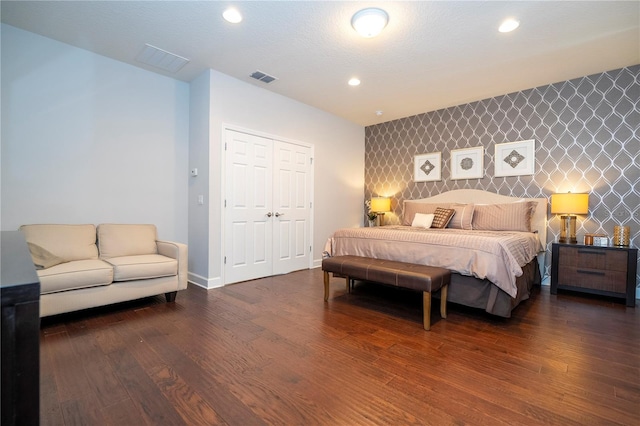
431	55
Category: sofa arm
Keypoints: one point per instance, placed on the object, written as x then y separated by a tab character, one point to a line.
179	252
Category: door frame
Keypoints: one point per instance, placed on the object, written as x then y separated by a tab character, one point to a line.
223	186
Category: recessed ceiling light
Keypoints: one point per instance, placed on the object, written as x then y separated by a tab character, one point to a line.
509	25
354	82
232	15
369	22
378	113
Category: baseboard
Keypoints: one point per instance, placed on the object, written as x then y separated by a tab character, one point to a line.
210	283
203	282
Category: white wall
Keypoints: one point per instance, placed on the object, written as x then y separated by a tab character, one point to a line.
199	136
86	139
339	159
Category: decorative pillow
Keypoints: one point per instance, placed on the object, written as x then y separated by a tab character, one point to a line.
421	220
442	217
504	217
42	257
463	217
412	207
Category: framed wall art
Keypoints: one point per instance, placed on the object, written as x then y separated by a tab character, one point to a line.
515	158
427	167
467	163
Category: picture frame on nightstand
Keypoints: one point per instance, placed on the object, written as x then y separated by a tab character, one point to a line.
601	241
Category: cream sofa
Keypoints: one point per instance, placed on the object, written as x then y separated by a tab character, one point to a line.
81	266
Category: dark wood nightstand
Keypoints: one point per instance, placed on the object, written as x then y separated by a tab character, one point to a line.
607	271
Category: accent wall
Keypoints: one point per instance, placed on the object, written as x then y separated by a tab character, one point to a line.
587	139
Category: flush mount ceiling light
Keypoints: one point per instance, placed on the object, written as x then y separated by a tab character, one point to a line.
369	22
508	25
354	82
232	15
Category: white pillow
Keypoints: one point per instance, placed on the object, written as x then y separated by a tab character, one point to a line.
421	220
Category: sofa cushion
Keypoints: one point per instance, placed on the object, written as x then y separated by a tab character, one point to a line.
74	275
67	242
127	268
117	240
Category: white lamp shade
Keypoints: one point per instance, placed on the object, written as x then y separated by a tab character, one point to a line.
380	204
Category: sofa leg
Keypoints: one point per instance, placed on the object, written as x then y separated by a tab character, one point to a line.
171	296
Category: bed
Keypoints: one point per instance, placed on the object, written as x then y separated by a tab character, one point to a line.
493	244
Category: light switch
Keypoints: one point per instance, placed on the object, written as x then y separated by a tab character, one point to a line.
200	199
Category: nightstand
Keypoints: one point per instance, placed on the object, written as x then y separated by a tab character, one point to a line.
607	271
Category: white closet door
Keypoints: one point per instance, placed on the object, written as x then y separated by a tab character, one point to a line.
268	187
248	213
292	207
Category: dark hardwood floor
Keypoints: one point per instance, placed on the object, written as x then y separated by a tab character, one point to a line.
271	351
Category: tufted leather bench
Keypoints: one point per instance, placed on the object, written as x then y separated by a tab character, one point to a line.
400	274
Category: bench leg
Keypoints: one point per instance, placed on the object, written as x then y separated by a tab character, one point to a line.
426	306
326	286
443	301
426	310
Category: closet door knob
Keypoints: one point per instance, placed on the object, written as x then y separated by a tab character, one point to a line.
279	214
269	214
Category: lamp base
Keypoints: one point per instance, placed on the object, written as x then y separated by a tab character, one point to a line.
568	230
381	219
568	240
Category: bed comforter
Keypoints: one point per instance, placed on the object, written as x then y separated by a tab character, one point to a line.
494	255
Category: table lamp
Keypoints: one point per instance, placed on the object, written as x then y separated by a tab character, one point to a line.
380	205
568	205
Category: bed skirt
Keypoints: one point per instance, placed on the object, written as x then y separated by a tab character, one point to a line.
482	294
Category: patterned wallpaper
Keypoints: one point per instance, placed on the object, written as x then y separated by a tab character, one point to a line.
587	136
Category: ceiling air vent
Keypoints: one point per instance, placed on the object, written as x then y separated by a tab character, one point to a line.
265	78
162	59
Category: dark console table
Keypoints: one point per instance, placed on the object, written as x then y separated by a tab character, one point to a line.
20	294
